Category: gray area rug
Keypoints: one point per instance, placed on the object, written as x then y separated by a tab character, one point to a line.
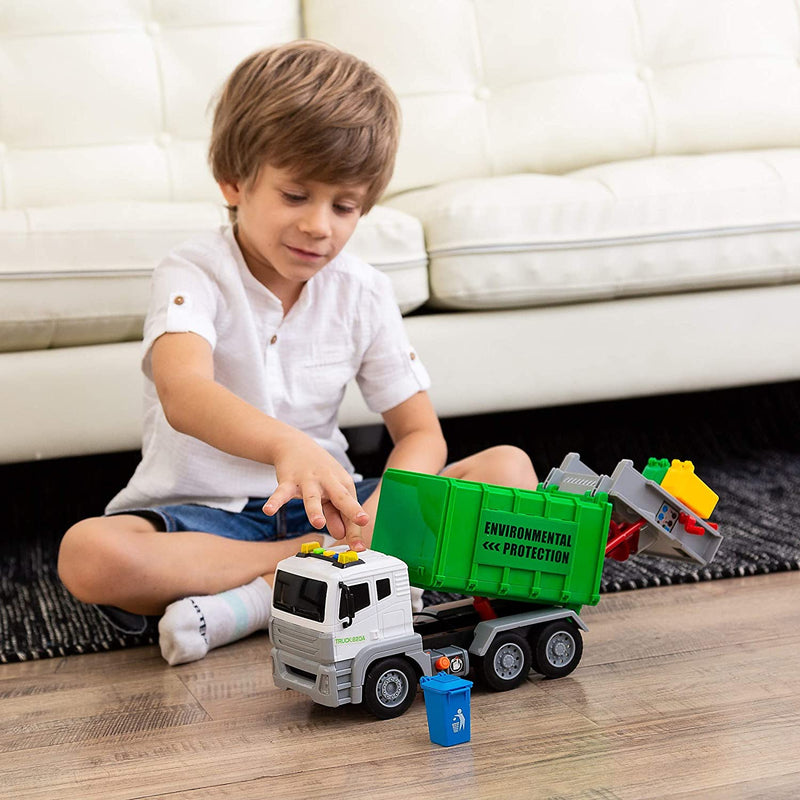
758	515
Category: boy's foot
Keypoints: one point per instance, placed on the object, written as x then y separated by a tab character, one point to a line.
193	626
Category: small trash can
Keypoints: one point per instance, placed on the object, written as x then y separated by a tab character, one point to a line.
447	707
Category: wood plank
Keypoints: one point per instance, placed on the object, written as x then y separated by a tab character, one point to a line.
74	708
633	762
689	618
773	787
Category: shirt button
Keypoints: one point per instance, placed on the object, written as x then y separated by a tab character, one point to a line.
179	301
412	356
274	339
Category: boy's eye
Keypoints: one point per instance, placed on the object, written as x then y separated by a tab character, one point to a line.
344	209
290	197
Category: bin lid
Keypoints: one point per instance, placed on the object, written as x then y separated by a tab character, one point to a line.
443	683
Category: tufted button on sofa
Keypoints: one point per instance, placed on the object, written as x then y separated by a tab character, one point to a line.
591	200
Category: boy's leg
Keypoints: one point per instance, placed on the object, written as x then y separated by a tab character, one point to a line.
207	587
125	561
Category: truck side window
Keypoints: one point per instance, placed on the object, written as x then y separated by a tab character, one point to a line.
384	588
360	593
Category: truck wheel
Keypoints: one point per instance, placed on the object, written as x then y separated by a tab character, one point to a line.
507	662
390	687
558	649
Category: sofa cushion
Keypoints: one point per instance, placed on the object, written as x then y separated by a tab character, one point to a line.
646	226
500	87
80	274
108	102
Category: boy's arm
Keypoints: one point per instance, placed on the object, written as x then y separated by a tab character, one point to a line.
196	405
419	445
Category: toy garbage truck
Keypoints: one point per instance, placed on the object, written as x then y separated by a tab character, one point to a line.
343	629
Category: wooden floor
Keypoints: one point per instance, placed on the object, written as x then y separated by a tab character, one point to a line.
683	692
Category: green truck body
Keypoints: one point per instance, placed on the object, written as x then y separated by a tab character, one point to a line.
544	546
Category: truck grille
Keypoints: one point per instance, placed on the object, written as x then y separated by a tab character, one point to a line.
295	639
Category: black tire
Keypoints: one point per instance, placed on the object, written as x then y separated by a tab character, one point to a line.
390	687
558	649
507	662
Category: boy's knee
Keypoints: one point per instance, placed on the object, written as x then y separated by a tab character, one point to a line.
512	466
84	556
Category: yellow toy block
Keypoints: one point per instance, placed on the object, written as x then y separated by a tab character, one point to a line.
681	482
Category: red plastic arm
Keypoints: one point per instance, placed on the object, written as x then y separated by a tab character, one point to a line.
620	534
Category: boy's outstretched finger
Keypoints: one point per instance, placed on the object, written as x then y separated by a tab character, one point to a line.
282	495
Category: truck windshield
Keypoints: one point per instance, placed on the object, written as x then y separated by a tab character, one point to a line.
304	597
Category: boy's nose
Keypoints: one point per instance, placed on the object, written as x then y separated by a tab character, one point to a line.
316	222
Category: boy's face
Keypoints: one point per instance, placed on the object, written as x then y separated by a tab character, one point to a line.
289	229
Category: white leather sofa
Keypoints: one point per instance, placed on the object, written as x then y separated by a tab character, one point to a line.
592	199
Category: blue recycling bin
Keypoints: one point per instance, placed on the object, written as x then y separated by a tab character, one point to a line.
447	707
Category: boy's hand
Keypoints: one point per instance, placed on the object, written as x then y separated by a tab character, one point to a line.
307	471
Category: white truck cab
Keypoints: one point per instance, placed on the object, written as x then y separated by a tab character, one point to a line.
347	598
336	614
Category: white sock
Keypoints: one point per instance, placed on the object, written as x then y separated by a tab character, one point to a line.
193	626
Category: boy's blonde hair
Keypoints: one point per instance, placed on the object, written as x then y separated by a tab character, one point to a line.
309	107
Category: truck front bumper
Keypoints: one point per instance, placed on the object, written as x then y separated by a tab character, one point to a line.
323	683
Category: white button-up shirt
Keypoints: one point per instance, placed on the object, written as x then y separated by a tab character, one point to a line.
346	324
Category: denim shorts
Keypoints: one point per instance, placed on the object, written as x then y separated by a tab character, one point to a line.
249	525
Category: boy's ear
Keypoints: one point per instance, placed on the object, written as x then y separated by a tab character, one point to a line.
232	193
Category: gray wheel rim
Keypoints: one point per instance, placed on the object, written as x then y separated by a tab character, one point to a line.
560	649
508	661
392	688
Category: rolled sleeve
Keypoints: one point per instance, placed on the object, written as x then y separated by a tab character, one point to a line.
182	300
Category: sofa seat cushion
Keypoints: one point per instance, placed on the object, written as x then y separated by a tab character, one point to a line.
80	274
645	226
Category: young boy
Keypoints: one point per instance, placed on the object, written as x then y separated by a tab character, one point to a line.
252	334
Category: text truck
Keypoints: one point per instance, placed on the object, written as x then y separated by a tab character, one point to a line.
343	629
